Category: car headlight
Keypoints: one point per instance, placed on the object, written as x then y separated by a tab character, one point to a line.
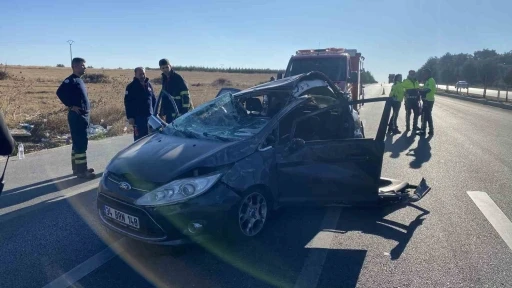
178	191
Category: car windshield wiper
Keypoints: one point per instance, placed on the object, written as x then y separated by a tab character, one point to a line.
224	139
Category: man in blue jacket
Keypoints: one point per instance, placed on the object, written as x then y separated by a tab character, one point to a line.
73	94
139	102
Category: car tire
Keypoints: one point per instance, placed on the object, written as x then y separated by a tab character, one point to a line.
250	216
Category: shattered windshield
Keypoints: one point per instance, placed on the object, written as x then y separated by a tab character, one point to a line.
223	118
331	67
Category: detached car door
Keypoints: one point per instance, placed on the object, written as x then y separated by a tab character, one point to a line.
328	171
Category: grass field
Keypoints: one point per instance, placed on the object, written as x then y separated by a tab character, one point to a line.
28	96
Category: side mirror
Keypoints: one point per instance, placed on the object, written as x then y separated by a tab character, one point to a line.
279	75
295	145
155	123
353	77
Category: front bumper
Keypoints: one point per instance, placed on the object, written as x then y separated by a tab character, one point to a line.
171	224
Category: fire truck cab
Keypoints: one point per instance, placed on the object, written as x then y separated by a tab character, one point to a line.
342	66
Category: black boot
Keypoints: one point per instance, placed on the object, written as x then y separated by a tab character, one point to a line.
89	170
73	166
86	175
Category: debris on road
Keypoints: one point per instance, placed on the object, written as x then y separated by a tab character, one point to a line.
96	130
27	127
20	133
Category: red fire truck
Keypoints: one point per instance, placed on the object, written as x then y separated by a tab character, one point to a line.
342	66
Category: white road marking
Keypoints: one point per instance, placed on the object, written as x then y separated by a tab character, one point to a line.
314	263
91	264
493	213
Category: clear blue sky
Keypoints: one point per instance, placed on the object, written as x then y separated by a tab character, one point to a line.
394	36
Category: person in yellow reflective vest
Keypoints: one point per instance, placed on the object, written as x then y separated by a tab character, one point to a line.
411	87
397	93
429	89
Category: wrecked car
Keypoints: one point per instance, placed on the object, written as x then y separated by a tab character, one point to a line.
224	167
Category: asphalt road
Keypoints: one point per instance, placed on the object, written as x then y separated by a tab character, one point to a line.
49	232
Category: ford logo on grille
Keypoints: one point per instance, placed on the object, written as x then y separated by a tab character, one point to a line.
125	186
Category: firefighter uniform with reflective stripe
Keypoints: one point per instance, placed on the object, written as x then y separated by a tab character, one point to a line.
428	105
412	98
175	86
72	92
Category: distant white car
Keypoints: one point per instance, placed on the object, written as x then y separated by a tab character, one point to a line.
462	84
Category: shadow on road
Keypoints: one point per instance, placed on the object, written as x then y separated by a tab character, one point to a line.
401	144
275	258
374	223
14	190
18	195
422	153
45	240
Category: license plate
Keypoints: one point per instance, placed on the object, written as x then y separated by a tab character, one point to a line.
122	217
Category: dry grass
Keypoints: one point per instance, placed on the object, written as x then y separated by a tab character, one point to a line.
28	95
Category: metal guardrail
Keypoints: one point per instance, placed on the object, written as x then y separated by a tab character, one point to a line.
498	95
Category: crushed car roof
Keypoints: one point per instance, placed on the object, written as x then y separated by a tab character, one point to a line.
287	84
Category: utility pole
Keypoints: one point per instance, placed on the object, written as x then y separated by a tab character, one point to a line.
70	52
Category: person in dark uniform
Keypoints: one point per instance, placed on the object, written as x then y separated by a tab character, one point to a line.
174	84
6	140
6	147
139	100
73	94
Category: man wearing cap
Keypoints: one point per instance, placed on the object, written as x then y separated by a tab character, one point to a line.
174	84
139	101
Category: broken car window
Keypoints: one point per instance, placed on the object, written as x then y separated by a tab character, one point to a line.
223	119
285	125
325	126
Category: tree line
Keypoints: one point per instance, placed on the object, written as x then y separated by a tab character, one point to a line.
367	77
484	68
225	70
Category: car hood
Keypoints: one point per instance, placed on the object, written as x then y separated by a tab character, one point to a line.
160	158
